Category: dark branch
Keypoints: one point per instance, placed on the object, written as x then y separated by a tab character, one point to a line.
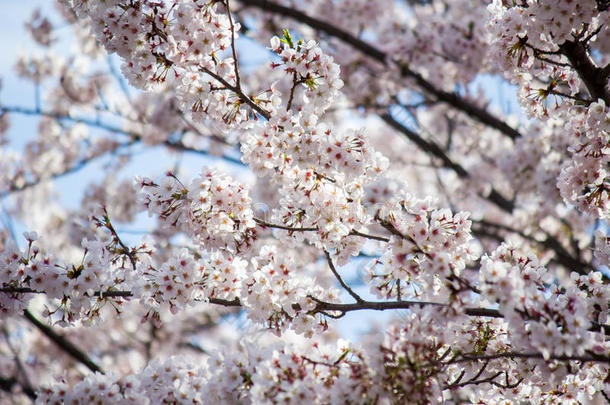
315	229
435	150
284	227
242	96
63	343
325	306
233	49
517	355
340	279
7	384
453	99
594	77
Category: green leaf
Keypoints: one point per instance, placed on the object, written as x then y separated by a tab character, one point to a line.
287	38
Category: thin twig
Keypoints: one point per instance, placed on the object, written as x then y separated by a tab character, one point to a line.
26	385
243	97
366	235
315	229
233	50
338	277
284	227
295	83
117	240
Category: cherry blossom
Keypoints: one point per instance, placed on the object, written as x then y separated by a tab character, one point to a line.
253	179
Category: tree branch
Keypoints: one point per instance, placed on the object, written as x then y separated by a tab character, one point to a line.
284	227
242	96
325	306
432	148
534	355
7	384
233	50
315	229
453	99
62	342
338	277
135	138
594	77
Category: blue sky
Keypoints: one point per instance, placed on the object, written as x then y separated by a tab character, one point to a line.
17	92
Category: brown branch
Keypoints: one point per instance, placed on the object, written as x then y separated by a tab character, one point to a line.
327	306
595	358
340	279
7	384
284	227
105	222
295	83
316	229
474	380
434	149
453	99
242	96
233	50
594	77
62	342
367	236
403	304
606	70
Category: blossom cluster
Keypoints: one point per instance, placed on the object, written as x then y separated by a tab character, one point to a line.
213	210
584	180
174	380
78	289
418	359
321	174
224	276
173	44
177	281
276	294
307	65
427	253
554	325
543	39
518	32
56	148
276	374
486	328
40	28
36	67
